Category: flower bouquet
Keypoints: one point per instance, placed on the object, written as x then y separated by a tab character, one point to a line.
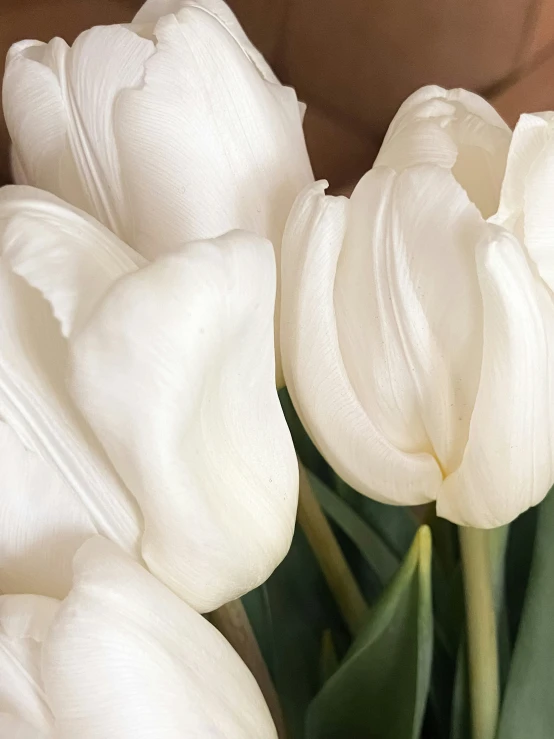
271	458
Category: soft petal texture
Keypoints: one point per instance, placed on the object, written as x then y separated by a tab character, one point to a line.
168	130
67	256
508	463
414	365
209	144
34	400
175	373
126	658
42	522
316	372
454	129
526	200
24	624
172	366
13	727
58	104
153	10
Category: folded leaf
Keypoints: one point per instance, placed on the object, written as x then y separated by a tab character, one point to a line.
528	709
380	689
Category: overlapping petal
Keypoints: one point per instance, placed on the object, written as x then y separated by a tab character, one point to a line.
408	252
508	464
175	373
127	658
168	130
25	621
525	204
456	130
317	373
172	368
42	522
34	400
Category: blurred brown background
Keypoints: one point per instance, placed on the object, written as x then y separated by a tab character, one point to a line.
354	61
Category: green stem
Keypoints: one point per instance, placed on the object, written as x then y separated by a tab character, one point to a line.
481	632
334	566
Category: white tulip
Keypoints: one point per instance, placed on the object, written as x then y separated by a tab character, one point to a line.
418	340
152	396
121	656
167	130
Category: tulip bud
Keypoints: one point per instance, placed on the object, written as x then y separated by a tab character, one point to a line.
123	657
170	371
417	339
168	130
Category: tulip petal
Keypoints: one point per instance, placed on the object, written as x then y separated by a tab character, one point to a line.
316	375
126	658
243	158
208	144
153	10
58	103
13	727
175	373
414	365
454	129
62	252
24	623
525	206
508	464
42	523
34	400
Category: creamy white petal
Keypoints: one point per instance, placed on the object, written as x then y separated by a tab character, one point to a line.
175	373
409	252
208	144
508	464
317	376
526	201
24	623
127	658
64	253
153	10
33	362
13	727
58	104
42	523
36	117
454	129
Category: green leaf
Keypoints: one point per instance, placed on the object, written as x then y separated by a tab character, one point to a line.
290	614
377	554
528	708
380	689
521	542
396	525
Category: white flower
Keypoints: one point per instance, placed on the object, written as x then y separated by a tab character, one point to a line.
417	337
148	409
121	656
167	130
